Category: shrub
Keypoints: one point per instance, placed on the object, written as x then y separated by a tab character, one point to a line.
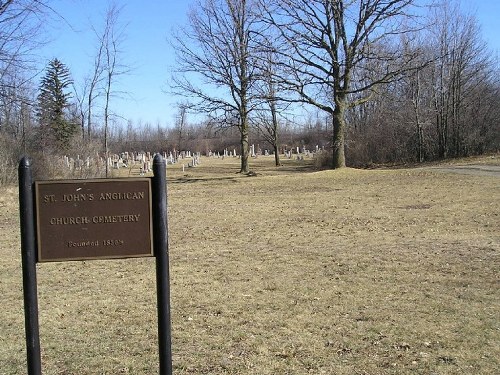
8	164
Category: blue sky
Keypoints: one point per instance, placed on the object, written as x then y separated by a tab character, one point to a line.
488	16
145	45
149	22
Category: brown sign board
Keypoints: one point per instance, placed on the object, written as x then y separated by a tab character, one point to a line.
93	219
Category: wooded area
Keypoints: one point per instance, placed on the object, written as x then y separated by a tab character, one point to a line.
368	81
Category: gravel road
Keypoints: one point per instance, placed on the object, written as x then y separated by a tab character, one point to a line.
476	170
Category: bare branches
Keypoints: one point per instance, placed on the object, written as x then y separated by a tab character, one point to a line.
334	55
21	23
217	59
329	42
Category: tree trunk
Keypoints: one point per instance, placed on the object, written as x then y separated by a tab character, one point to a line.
276	155
442	129
244	147
106	118
89	119
416	107
420	131
274	127
106	153
338	143
277	160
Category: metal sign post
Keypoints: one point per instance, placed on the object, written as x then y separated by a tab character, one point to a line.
160	242
28	255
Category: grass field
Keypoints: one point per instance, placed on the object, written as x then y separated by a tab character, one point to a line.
291	271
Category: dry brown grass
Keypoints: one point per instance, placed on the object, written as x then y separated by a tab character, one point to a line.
289	272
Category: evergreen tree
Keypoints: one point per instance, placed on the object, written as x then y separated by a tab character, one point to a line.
53	100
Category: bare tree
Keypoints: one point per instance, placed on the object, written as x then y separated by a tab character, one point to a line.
22	26
329	41
80	107
180	125
112	66
219	48
413	94
463	59
272	110
96	76
21	23
21	32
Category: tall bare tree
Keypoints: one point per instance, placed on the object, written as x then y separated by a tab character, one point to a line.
180	125
271	112
21	26
329	41
463	59
219	49
413	95
112	66
96	77
21	31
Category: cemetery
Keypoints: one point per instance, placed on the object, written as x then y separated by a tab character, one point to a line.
141	161
289	270
268	187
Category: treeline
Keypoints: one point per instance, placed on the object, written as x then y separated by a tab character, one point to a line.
204	137
388	91
393	83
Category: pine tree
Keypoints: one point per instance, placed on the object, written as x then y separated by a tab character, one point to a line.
53	100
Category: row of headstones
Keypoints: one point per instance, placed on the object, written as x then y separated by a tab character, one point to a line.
195	161
226	153
125	159
116	161
287	153
254	153
77	164
301	154
173	158
146	158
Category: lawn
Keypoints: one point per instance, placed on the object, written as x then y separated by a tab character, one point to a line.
290	271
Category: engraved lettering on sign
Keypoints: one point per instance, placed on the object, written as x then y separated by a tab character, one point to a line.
79	220
112	242
116	219
94	218
49	198
69	220
83	243
121	196
77	197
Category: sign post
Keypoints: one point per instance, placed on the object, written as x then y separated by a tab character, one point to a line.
160	238
94	219
28	255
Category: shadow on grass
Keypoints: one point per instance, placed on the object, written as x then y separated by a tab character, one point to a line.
304	168
189	180
232	174
238	176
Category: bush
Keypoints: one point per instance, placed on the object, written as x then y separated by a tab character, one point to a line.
8	161
323	160
81	161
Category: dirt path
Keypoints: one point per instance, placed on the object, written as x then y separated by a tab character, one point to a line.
476	170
